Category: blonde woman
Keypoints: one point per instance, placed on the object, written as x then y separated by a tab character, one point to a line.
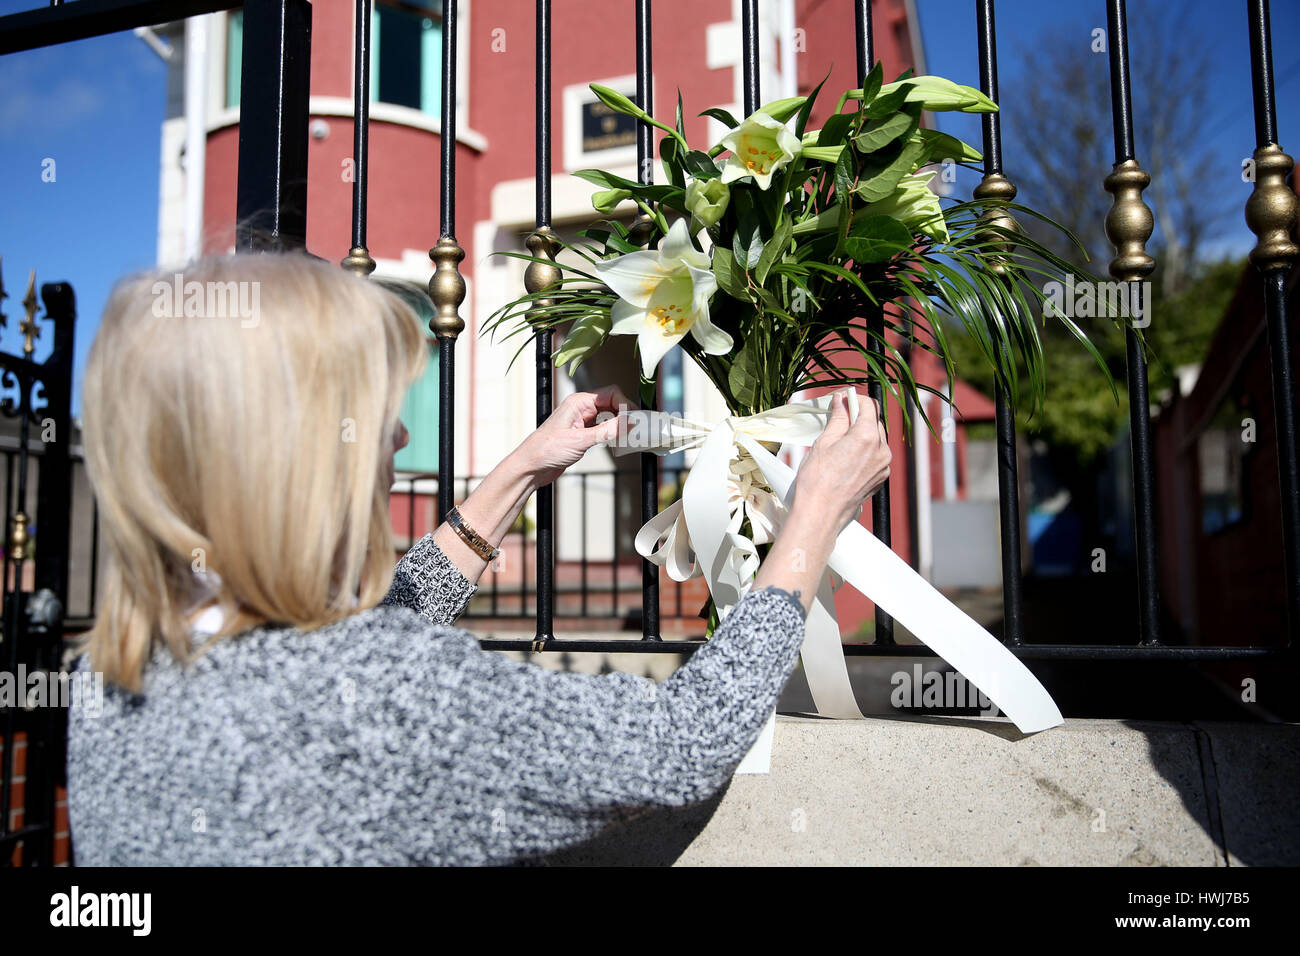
278	693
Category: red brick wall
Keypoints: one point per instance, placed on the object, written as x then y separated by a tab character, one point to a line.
17	805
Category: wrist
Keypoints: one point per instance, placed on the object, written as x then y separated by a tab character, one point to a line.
522	468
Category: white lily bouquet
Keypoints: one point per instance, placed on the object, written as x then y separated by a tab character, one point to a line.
776	257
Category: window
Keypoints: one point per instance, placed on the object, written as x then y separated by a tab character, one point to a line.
234	56
406	54
420	407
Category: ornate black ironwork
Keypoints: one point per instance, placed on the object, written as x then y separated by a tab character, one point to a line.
31	623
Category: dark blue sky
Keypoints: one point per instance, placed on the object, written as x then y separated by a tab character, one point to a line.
95	108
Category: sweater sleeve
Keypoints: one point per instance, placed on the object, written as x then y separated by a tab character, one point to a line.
429	583
559	756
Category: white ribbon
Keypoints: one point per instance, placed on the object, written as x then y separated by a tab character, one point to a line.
701	534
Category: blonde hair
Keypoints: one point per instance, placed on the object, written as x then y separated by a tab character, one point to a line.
238	415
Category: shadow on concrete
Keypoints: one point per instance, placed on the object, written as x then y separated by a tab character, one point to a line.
655	838
1240	787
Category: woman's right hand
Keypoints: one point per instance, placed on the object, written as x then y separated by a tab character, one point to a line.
847	463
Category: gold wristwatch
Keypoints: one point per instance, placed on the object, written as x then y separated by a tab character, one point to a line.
477	543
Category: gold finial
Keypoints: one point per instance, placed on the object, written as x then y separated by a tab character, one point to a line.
1271	210
18	537
1129	223
998	187
358	260
538	276
446	289
641	230
29	328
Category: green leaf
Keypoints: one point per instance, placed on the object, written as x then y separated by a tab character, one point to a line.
670	154
731	280
648	192
700	166
680	124
722	116
834	131
885	104
743	376
801	121
876	239
883	170
877	133
747	244
773	250
940	146
871	88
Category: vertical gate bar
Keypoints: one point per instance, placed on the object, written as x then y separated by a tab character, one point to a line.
996	186
1271	215
648	462
271	201
47	727
880	501
94	552
8	653
749	53
9	517
614	552
863	37
541	275
358	260
54	487
446	285
584	543
1128	226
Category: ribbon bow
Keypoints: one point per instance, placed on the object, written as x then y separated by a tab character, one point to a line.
736	477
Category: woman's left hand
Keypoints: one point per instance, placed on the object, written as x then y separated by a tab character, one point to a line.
564	438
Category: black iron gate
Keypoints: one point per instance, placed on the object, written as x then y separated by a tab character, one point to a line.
33	714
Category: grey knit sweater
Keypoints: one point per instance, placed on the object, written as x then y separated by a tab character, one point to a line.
391	737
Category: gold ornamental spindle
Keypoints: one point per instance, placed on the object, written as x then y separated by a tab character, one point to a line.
1271	210
29	327
446	289
18	540
358	260
995	186
1129	223
540	275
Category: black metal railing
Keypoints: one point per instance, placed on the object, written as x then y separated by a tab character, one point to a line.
598	578
1128	227
271	206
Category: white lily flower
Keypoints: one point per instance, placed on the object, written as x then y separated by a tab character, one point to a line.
759	147
663	295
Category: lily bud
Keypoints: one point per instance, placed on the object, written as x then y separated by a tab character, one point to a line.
937	94
605	200
707	200
586	335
